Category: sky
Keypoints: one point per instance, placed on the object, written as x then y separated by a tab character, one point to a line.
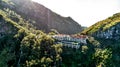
85	12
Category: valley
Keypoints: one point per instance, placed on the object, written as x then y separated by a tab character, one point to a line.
32	35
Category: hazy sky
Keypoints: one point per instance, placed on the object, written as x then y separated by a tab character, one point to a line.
85	12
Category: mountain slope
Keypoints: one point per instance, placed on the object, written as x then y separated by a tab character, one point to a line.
21	45
108	28
44	18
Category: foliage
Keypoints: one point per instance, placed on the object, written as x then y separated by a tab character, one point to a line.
53	32
103	25
6	57
8	2
27	47
104	57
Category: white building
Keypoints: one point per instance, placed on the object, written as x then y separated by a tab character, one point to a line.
71	41
79	39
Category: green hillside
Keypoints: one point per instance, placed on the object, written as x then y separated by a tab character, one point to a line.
23	46
43	18
103	25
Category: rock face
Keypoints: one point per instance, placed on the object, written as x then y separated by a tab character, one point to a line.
44	18
107	29
111	33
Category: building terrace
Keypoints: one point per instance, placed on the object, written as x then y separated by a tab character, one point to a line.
70	40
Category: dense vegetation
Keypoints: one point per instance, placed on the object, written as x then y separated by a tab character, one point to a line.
103	25
25	46
21	45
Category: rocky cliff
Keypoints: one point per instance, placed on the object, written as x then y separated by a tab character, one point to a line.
108	28
111	33
44	18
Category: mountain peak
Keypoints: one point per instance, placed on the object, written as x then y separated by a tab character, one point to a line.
44	18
